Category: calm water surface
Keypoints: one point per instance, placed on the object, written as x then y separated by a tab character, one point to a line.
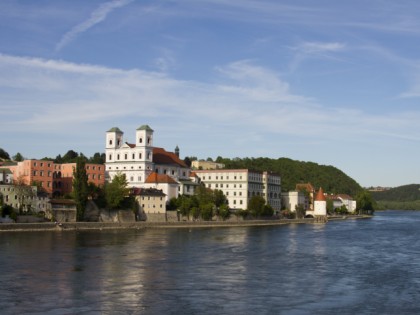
369	266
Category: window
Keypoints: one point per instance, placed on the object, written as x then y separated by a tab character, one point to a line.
110	157
110	142
148	140
140	156
140	140
133	156
125	156
35	173
131	178
41	164
118	156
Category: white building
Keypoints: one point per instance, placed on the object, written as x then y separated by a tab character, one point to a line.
240	185
292	199
139	160
347	201
320	204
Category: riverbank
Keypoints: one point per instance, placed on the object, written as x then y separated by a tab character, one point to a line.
75	226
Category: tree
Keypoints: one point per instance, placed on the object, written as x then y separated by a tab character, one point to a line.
18	157
116	191
256	206
97	158
80	187
70	156
300	211
4	155
365	202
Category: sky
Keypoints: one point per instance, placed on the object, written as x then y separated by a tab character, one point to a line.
331	82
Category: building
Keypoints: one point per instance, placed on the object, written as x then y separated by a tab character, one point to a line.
206	165
292	199
25	198
309	192
152	203
145	165
320	205
240	185
343	200
54	178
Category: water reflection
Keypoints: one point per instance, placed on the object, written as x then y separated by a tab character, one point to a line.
349	267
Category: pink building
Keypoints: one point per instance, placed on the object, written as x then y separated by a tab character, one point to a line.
55	179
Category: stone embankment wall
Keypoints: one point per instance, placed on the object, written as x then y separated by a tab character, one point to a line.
72	226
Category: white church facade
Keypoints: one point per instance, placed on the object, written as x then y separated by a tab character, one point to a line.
141	161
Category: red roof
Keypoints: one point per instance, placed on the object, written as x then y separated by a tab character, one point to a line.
155	178
320	195
160	156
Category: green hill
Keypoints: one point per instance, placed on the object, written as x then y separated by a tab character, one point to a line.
405	197
292	172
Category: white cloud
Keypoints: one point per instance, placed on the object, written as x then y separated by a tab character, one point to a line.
247	100
96	17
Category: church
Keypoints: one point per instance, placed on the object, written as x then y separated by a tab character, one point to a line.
144	165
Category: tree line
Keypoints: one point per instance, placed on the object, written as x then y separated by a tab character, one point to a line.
70	156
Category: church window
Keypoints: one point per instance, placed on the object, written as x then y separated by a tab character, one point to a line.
133	156
110	142
140	140
118	156
131	179
139	155
148	140
110	157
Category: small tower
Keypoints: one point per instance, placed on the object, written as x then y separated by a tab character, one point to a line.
177	151
114	138
320	204
144	136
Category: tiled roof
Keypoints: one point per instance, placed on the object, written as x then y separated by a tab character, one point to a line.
320	195
131	145
115	129
145	127
307	186
147	192
160	156
155	178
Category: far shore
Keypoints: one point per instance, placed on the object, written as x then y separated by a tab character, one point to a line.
76	226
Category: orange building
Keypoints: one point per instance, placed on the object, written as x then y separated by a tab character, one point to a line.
55	179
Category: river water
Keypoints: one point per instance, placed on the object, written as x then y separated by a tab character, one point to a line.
367	266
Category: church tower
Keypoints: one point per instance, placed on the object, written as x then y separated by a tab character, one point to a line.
144	148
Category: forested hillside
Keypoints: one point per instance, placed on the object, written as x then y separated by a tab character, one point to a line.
331	179
405	197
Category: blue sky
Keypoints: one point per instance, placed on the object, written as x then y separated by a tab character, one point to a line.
332	82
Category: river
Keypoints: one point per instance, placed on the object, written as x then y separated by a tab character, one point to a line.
366	266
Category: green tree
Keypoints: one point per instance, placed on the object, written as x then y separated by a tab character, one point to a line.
4	155
80	187
300	211
256	206
330	206
97	158
18	157
223	212
364	201
206	211
70	156
116	191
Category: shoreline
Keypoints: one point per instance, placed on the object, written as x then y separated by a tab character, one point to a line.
99	226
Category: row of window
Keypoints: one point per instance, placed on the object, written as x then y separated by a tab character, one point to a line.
58	175
133	156
57	166
221	177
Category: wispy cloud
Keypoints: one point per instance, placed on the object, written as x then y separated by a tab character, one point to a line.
96	17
